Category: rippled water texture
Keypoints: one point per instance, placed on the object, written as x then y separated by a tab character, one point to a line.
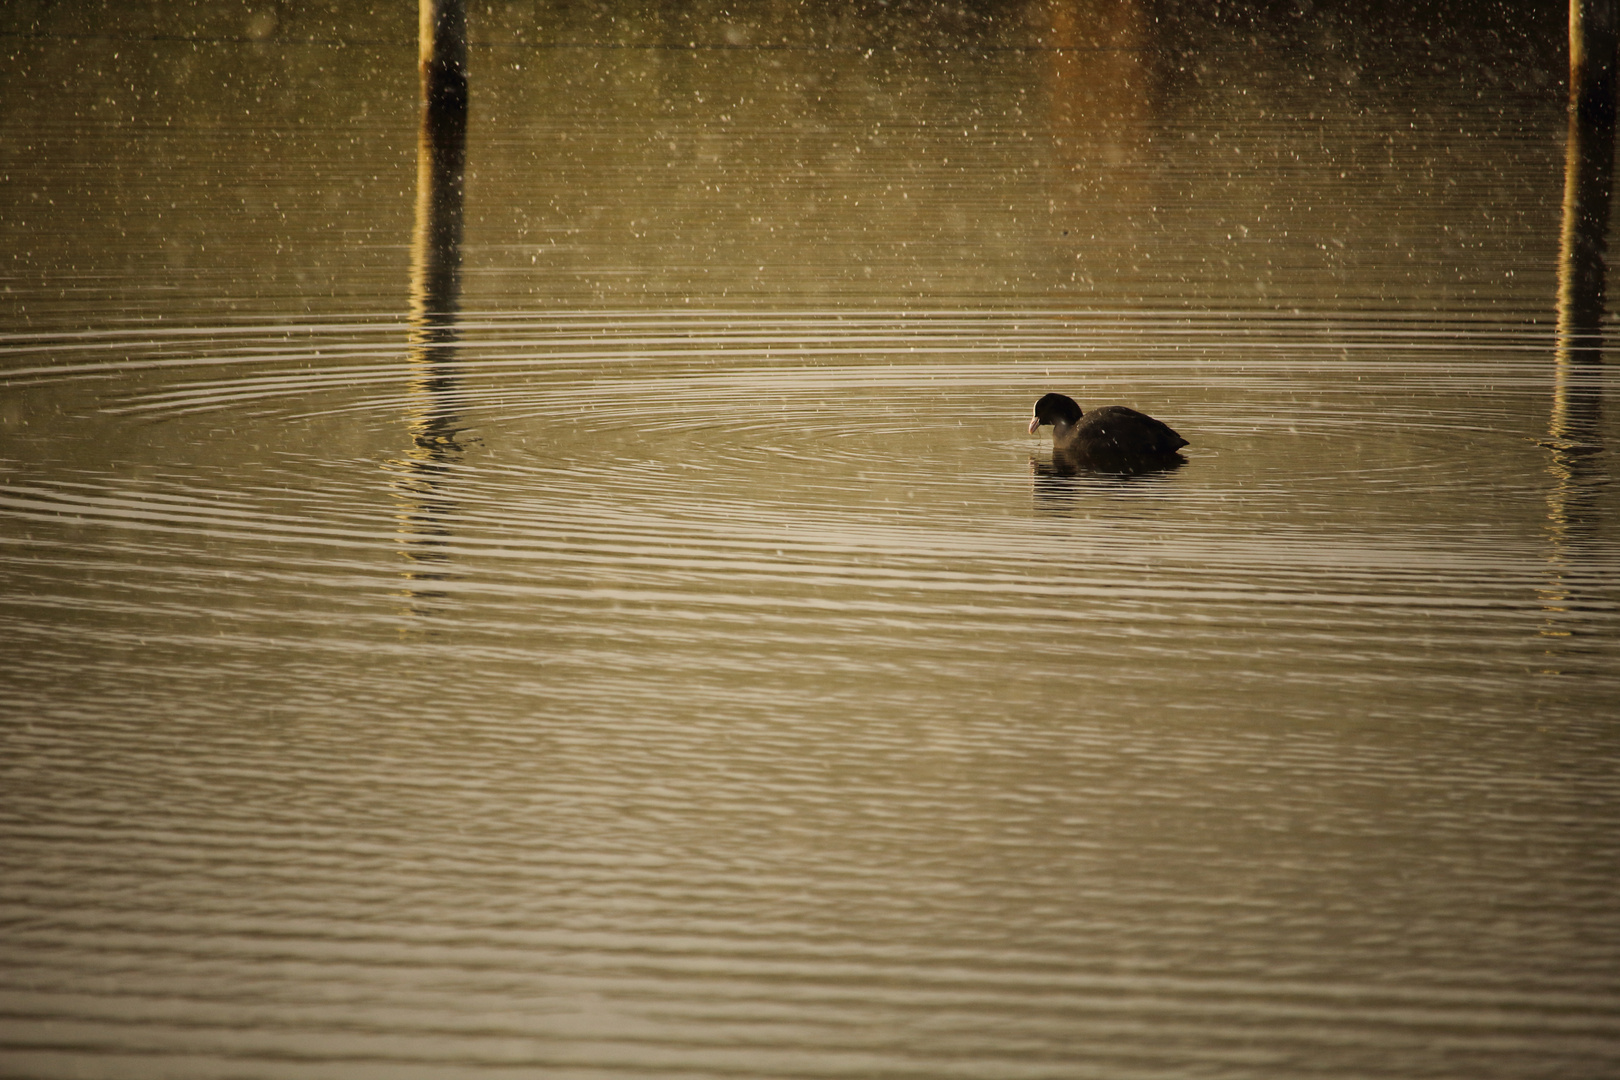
675	659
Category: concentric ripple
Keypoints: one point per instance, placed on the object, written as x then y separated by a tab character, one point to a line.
744	694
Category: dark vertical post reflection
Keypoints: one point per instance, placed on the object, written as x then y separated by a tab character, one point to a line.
1588	181
441	157
1573	435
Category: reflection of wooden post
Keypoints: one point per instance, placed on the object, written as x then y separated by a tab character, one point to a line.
441	166
1573	433
442	46
1588	170
441	160
1593	27
1594	30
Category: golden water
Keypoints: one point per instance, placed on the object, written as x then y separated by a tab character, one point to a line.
687	666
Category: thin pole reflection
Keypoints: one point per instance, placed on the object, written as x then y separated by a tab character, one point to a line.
1574	435
432	417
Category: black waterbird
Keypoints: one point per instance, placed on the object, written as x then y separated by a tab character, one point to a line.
1112	437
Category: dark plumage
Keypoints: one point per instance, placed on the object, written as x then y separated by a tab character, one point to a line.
1112	436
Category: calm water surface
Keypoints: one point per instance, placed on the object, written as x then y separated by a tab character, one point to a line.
681	663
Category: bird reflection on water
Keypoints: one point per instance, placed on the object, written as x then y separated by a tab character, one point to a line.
1057	481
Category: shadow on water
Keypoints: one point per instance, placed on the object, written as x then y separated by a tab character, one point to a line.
437	440
1574	434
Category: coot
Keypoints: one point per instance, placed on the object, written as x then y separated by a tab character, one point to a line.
1111	435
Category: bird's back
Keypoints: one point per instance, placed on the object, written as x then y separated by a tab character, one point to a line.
1115	429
